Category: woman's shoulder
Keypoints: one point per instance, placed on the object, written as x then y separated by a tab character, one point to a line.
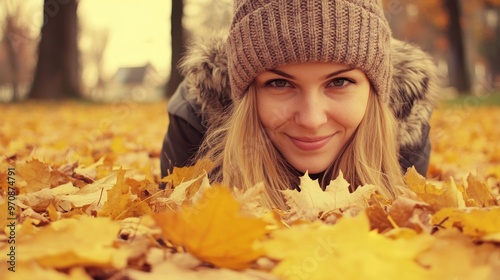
206	79
182	105
414	91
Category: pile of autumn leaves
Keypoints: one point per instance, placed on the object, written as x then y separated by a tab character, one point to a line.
102	221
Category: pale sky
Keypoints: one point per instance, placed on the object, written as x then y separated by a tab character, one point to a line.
139	31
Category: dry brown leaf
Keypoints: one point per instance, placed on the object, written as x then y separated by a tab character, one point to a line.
478	193
36	173
91	193
38	201
409	213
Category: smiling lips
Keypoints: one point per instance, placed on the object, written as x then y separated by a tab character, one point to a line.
310	143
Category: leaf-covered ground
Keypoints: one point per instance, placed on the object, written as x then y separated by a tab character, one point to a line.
79	200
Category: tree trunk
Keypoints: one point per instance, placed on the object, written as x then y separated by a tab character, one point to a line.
458	73
178	44
57	73
13	58
495	53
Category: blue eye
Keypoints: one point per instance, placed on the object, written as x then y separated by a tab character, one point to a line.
279	83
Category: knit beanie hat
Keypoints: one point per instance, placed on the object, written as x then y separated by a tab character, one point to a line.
265	34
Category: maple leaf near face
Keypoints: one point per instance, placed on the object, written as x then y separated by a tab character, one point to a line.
346	250
214	230
313	199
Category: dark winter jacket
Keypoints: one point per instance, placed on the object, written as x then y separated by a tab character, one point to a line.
202	97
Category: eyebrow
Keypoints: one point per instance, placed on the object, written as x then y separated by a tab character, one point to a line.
286	75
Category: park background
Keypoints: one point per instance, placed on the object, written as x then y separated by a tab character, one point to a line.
108	50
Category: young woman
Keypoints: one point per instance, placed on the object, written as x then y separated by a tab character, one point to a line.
302	86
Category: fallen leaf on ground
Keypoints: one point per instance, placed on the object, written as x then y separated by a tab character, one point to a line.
475	222
346	250
120	204
478	193
70	242
214	230
455	256
438	196
312	200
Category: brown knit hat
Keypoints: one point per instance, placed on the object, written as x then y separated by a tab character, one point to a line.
267	33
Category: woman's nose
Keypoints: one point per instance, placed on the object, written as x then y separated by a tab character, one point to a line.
311	111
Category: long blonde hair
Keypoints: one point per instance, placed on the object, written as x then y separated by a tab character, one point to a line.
244	155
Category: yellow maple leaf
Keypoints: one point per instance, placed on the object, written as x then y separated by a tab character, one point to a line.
183	174
66	243
483	223
336	195
214	230
478	193
120	204
438	196
36	173
346	250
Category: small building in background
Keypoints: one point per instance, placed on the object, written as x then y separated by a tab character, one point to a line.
139	84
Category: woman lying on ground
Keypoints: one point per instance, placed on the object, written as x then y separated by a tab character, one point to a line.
303	86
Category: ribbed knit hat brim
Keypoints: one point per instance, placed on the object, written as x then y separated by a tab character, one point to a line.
266	34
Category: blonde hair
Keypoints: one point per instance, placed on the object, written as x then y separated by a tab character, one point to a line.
244	155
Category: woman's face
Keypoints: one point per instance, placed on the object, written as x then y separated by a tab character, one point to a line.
310	110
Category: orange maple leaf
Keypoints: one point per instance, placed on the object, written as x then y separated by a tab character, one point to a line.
120	204
214	230
39	175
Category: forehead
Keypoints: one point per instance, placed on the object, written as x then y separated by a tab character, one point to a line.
309	70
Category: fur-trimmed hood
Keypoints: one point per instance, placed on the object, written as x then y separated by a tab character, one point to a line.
412	97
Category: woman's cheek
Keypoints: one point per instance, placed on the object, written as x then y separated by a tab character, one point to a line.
272	113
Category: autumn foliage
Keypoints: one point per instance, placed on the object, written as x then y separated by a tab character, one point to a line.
88	206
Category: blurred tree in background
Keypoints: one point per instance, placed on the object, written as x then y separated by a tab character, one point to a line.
178	43
463	37
17	48
57	75
192	19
